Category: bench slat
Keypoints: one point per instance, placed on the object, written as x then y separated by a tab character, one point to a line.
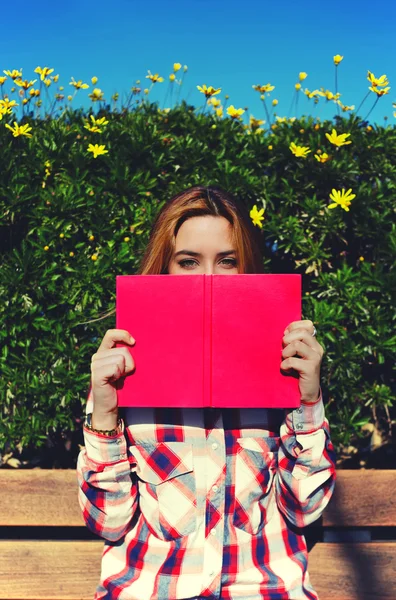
48	497
354	571
38	570
363	498
40	497
69	570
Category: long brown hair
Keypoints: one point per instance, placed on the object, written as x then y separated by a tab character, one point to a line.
197	201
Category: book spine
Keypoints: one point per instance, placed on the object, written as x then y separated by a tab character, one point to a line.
207	340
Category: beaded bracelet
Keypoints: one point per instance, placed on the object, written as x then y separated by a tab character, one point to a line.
106	432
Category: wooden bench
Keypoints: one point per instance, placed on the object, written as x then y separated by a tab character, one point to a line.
47	552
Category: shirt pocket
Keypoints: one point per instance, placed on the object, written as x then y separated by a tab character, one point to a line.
255	468
167	489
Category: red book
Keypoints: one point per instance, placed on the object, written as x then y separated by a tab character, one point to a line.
208	340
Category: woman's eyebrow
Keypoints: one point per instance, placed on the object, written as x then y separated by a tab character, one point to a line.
191	253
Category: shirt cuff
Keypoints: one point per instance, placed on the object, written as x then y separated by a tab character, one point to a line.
103	449
307	418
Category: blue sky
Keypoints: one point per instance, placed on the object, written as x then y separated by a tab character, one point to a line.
231	45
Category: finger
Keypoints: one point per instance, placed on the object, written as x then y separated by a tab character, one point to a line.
112	336
99	364
301	366
129	362
300	348
111	372
305	324
303	335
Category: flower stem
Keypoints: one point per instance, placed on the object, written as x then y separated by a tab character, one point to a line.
361	104
336	89
291	106
266	112
370	111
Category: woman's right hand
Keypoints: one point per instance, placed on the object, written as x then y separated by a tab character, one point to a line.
108	364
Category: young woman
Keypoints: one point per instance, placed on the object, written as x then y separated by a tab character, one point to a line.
205	503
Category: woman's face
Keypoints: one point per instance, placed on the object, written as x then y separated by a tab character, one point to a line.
205	247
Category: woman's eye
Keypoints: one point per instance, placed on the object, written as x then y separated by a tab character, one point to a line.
231	262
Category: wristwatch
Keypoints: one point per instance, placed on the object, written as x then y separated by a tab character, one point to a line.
106	432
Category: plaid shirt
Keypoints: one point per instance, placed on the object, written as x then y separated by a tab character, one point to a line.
206	503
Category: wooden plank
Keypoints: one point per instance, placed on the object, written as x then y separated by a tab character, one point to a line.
48	497
71	570
39	497
354	571
36	570
363	498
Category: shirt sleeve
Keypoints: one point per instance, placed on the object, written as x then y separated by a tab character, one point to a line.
108	493
306	473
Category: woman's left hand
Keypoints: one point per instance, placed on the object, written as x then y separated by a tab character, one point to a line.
298	339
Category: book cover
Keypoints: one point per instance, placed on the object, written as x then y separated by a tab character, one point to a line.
208	340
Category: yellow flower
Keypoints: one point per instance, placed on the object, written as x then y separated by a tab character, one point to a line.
255	123
270	147
25	84
302	76
381	81
219	112
79	85
361	258
94	257
43	72
20	130
13	74
298	86
3	80
281	119
215	102
263	88
47	82
91	238
322	158
275	102
96	95
70	98
235	113
94	80
71	253
208	91
337	59
300	151
96	125
257	215
126	239
338	140
97	149
176	67
55	78
61	235
154	78
341	198
172	77
46	248
380	92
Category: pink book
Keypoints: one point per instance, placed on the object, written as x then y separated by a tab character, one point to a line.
208	340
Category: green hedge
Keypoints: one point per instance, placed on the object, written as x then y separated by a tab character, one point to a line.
55	197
